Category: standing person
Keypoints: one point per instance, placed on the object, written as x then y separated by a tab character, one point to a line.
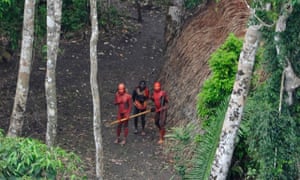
124	103
140	95
160	99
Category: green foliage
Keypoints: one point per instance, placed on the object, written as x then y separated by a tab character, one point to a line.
11	20
193	155
40	28
206	144
182	143
75	15
223	63
1	133
272	140
242	166
162	3
190	4
110	18
29	158
272	137
3	3
270	16
290	39
40	21
44	53
259	74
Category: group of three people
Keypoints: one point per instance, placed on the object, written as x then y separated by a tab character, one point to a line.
139	99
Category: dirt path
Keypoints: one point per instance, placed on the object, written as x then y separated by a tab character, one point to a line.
129	57
141	158
133	59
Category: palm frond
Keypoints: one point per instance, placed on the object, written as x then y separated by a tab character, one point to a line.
207	144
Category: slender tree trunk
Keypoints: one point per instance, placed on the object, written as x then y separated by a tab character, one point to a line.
53	36
290	77
16	119
234	112
281	26
139	11
95	92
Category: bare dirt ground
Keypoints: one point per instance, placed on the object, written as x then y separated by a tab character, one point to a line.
134	54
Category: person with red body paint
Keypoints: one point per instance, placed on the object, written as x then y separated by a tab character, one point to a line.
124	103
160	99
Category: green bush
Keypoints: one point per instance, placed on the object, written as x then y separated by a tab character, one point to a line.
272	138
190	4
110	18
27	158
223	64
182	143
11	14
75	14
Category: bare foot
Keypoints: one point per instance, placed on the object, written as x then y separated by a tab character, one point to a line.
160	141
117	141
123	142
143	133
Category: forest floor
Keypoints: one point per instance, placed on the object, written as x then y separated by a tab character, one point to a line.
129	55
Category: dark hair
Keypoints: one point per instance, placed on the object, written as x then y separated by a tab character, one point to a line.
142	84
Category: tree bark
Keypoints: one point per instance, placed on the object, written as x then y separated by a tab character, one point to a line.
139	11
281	25
53	36
234	112
291	80
16	119
95	92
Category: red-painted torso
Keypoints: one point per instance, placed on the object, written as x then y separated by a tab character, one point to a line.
156	97
124	103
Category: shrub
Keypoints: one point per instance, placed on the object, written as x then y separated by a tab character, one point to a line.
182	148
190	4
75	15
223	64
27	158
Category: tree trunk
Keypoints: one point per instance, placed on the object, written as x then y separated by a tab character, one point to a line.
53	36
139	11
281	26
234	112
16	119
290	77
95	92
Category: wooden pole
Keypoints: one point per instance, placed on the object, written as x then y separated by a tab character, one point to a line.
132	116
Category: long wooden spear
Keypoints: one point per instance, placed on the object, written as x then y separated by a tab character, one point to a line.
132	116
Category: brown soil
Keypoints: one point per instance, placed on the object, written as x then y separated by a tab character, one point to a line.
132	54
